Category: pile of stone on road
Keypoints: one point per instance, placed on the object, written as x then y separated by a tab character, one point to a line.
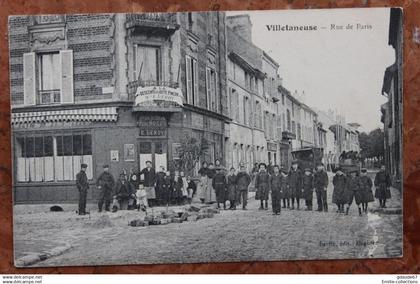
189	213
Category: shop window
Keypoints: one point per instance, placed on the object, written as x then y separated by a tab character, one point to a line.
52	158
147	64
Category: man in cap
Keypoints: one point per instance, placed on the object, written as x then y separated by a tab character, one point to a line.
321	184
105	184
82	185
366	189
353	191
276	187
149	182
382	184
308	188
295	184
243	179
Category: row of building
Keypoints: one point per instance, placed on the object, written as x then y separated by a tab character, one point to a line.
121	89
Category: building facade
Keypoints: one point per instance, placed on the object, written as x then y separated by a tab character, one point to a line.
117	89
392	114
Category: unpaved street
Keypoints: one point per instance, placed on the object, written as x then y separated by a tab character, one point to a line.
229	236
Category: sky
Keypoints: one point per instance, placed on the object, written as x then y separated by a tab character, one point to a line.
337	69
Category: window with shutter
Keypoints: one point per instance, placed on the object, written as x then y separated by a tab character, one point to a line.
67	76
195	82
208	88
189	79
29	83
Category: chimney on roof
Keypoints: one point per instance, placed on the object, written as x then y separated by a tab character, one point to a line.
241	25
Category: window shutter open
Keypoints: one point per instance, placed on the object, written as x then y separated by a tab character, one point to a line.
67	95
29	79
196	97
189	79
208	88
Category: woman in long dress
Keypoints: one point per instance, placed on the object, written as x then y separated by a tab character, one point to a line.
210	196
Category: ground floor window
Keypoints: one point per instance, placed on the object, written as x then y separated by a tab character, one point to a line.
48	158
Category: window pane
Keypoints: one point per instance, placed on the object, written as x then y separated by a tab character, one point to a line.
77	145
67	145
48	146
87	144
148	61
60	148
145	148
30	147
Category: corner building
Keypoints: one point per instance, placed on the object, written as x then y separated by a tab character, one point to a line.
115	89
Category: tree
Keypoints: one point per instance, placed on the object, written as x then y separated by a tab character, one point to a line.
189	152
372	144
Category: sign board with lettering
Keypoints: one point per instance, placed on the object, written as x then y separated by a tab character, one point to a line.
152	125
158	98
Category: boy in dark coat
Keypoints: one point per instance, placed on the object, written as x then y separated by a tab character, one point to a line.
232	189
262	184
105	184
160	194
353	192
321	184
382	184
366	189
308	188
123	192
191	188
82	185
276	186
295	184
167	188
149	182
177	189
219	185
243	179
340	184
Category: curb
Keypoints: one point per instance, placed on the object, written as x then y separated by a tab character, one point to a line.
34	258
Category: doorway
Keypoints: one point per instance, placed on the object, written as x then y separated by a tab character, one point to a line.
155	151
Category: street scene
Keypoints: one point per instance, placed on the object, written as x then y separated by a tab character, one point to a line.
206	136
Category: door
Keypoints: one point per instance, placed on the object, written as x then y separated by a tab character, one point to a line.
154	151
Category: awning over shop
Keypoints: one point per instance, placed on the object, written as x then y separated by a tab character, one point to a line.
82	114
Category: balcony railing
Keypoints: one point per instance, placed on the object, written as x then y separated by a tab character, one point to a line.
49	96
133	85
151	21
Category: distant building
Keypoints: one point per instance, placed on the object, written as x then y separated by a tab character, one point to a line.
392	113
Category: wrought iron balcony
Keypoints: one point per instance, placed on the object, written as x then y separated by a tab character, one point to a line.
49	96
150	22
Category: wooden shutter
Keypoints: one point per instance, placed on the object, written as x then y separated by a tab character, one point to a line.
195	82
208	88
189	79
29	79
66	60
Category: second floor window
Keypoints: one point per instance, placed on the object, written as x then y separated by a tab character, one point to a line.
289	122
49	78
146	63
211	90
192	80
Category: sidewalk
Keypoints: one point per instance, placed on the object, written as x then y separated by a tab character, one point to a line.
393	205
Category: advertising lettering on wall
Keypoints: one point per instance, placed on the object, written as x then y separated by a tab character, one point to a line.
158	98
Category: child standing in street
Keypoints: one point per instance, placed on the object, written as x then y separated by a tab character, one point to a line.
177	189
340	184
366	190
308	188
232	189
353	192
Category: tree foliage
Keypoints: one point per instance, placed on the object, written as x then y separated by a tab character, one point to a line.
372	144
190	151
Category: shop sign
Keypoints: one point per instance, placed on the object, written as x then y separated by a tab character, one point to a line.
272	147
152	125
158	98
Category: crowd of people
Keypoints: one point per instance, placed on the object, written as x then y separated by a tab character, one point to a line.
216	184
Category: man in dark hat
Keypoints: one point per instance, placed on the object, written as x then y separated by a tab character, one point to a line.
262	184
105	184
295	184
82	185
382	184
321	184
123	192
